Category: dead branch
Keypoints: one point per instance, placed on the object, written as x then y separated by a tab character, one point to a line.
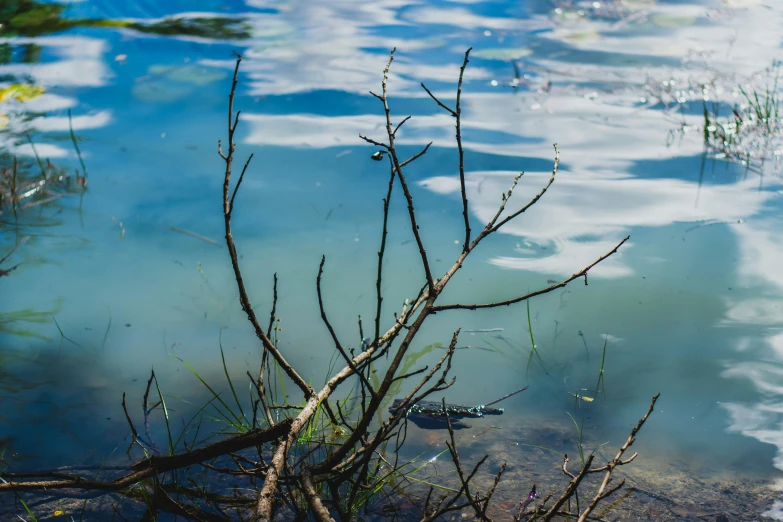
289	475
603	492
152	466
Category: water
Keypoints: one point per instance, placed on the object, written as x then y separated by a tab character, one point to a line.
690	306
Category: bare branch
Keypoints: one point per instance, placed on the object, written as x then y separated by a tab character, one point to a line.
416	156
458	115
546	290
617	461
239	182
435	98
154	465
381	252
409	198
243	297
313	500
569	491
537	196
337	343
373	142
406	118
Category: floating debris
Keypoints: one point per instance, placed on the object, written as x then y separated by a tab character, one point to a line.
431	415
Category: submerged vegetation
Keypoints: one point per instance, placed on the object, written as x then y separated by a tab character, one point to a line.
27	186
291	451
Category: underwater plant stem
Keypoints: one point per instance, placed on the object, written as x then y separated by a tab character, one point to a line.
506	396
76	145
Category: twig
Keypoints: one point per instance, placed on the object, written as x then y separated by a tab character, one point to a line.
130	422
313	500
243	297
506	396
458	116
337	344
403	182
154	465
381	252
603	492
546	290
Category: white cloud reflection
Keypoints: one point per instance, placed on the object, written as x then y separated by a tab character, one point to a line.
80	64
593	111
603	122
603	136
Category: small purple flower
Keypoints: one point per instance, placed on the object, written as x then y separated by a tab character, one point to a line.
523	504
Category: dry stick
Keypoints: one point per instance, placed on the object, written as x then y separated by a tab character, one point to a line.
398	414
452	446
265	355
265	502
381	251
337	344
424	306
146	409
532	202
569	491
393	153
581	273
491	228
262	398
506	396
617	461
154	465
130	422
239	182
457	114
427	300
313	500
488	496
264	506
458	111
227	209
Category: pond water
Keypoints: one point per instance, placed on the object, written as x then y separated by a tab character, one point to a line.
691	306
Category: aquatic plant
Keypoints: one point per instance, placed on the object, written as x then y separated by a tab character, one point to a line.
747	132
326	457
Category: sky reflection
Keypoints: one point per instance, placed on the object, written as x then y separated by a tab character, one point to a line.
695	295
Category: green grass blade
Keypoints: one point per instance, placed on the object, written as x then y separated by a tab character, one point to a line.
532	340
37	157
579	432
600	383
230	383
76	145
165	415
195	415
213	392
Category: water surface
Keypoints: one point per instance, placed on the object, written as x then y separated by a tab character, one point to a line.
690	307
